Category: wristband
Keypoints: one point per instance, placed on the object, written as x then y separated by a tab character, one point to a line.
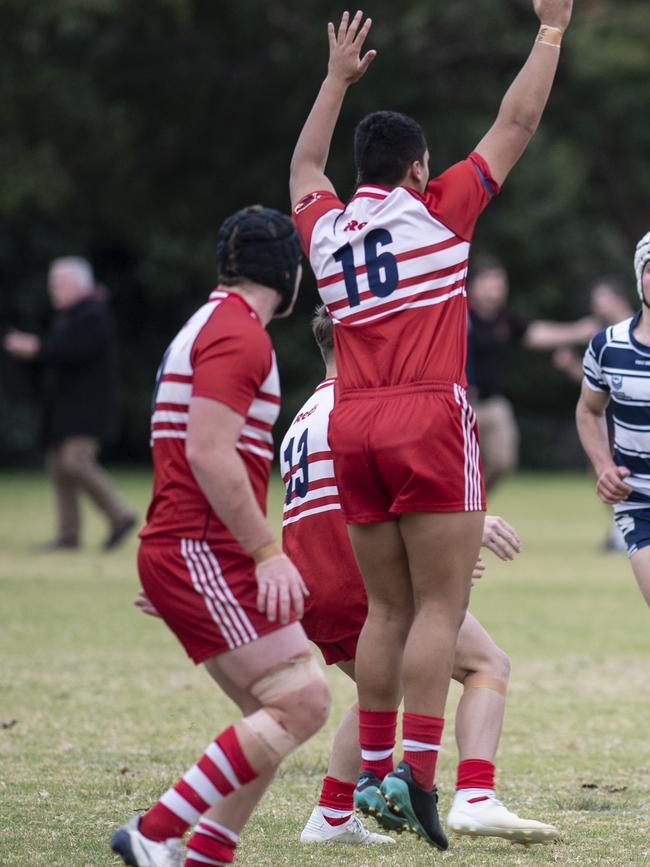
550	36
266	552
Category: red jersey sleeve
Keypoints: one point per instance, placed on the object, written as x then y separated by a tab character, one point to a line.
231	368
310	209
458	196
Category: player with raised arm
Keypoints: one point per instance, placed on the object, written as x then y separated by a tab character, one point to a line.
208	561
391	267
315	538
617	374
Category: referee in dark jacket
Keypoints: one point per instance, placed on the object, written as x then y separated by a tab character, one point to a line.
79	370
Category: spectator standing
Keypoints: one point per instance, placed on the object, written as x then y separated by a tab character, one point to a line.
78	361
494	331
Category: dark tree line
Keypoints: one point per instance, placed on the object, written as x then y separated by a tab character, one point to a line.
128	131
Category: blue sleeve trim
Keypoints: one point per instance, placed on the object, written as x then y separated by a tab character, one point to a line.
484	180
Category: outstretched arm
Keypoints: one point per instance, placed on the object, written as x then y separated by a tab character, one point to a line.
544	335
525	101
346	66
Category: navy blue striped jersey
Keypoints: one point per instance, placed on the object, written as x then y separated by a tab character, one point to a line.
615	362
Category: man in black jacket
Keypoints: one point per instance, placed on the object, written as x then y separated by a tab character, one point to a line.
79	367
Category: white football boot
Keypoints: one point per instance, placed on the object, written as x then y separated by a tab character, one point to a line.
136	850
353	832
490	818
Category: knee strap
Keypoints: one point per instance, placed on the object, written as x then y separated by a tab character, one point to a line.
270	689
476	680
273	738
285	678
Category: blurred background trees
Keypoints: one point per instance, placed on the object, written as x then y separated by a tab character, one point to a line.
128	131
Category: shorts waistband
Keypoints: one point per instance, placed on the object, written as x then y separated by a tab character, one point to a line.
382	391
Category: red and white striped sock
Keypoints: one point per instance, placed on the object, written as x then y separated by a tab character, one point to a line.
211	844
475	780
336	801
377	738
220	770
421	737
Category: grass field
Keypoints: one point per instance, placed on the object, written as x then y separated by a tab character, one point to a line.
108	711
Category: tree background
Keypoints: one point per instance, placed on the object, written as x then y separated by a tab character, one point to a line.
128	131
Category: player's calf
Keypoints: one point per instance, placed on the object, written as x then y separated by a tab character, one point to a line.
295	703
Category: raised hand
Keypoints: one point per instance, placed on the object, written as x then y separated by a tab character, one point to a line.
345	61
554	13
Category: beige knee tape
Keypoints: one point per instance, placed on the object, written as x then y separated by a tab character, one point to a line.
274	686
275	740
288	677
484	681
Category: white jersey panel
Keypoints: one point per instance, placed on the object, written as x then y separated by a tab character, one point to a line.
385	252
306	459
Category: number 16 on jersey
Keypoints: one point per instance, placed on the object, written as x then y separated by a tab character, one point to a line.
380	266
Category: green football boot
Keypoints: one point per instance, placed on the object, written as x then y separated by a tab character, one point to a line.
369	800
417	807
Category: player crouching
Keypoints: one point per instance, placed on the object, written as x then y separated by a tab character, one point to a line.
316	539
208	561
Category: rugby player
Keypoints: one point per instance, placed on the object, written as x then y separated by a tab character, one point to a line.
391	267
315	538
617	374
208	561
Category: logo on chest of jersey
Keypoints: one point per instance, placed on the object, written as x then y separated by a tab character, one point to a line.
355	226
617	382
303	415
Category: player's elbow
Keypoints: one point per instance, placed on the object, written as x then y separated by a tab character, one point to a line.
521	123
197	454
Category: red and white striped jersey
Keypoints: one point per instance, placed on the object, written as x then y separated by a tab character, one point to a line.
391	267
314	533
222	353
306	459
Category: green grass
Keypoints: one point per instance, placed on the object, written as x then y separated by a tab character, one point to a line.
109	712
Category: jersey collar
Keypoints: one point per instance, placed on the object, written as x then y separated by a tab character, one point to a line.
220	294
640	347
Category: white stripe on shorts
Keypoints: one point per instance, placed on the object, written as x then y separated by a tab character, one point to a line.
214	590
236	609
471	453
214	607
